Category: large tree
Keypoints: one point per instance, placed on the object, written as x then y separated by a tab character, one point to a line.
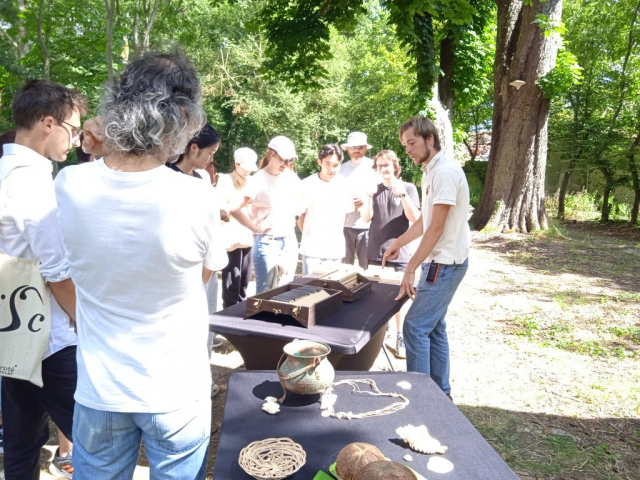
436	34
526	49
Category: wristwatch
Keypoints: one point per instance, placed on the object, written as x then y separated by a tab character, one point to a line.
402	195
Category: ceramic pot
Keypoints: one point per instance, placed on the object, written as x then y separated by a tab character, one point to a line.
305	369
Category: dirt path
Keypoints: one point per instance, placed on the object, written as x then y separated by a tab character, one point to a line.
545	343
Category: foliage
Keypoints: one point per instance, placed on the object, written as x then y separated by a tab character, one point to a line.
594	120
564	76
582	206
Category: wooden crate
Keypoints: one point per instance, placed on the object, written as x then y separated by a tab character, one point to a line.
306	316
348	294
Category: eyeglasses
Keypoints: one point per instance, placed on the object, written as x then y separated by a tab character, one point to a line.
75	131
359	147
287	162
380	167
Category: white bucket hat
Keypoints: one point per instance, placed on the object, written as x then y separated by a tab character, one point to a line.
356	139
246	158
284	147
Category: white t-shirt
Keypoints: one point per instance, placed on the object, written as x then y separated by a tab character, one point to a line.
444	183
29	228
362	179
234	234
277	199
137	242
327	205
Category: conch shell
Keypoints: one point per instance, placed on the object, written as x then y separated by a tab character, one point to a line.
419	439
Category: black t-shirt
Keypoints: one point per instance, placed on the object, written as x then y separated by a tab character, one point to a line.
389	222
173	166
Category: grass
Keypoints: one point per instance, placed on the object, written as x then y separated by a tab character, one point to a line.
532	446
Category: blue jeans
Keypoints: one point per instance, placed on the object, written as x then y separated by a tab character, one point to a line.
268	252
106	444
309	264
425	329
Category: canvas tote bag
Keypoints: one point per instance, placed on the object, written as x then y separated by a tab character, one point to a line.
25	317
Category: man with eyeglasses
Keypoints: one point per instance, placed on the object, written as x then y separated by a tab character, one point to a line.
47	120
361	179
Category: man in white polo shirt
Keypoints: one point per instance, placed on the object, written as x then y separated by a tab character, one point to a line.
443	251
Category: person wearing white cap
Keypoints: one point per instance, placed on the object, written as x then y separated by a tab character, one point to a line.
276	200
361	178
238	239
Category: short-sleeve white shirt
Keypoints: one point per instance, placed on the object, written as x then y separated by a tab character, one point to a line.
327	205
235	235
276	201
136	243
29	228
361	180
444	183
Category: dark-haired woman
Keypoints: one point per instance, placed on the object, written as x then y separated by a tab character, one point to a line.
199	153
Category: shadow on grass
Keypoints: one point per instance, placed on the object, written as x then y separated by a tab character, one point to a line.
541	446
568	249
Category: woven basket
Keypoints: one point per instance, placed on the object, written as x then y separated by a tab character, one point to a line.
272	458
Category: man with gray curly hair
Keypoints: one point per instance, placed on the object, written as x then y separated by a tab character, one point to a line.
142	241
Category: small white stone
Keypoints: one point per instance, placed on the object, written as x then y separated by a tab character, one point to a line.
326	413
405	385
271	400
408	458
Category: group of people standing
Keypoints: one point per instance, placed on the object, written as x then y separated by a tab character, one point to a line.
128	248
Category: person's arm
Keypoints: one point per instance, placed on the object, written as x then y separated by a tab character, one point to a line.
206	275
301	221
411	209
37	219
65	294
412	233
366	210
242	218
429	240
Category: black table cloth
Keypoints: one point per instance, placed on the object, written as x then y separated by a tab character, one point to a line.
349	332
322	438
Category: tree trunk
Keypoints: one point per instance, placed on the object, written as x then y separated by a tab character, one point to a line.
42	43
111	9
575	155
608	187
513	195
444	97
150	15
635	181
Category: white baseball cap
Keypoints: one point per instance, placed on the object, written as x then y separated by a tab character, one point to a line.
356	139
284	147
246	158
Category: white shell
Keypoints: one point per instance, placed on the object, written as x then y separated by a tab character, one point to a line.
327	401
408	458
405	385
271	408
439	465
271	400
419	439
